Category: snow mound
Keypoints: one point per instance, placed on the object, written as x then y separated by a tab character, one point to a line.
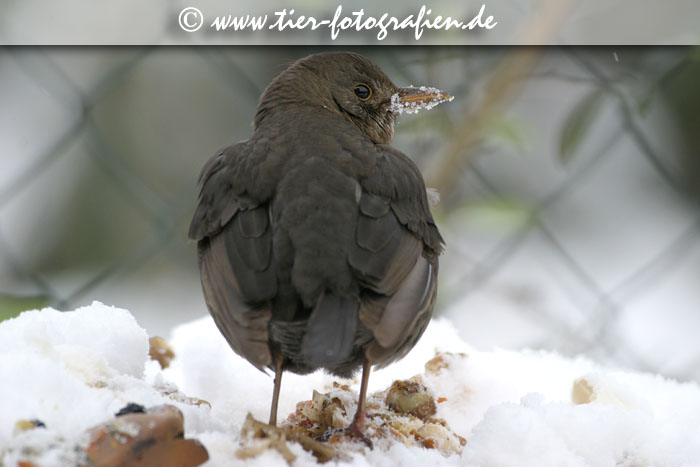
73	370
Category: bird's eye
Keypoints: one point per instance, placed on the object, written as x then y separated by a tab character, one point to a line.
363	91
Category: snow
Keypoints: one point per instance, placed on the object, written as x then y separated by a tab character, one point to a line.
74	370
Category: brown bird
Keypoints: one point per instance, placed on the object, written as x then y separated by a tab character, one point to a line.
315	240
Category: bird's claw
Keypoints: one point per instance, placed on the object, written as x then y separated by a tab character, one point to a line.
353	431
356	432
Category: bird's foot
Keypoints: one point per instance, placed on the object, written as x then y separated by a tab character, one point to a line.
357	427
355	431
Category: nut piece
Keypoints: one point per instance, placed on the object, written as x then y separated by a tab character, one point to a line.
324	412
25	425
272	437
435	436
582	392
160	351
441	361
412	398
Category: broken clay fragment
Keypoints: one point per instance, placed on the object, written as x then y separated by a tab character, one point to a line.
154	438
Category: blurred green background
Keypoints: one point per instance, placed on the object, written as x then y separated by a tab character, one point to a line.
569	181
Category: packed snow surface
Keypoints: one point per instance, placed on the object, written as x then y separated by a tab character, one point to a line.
73	370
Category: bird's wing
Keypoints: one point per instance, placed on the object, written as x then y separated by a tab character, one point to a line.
395	256
234	239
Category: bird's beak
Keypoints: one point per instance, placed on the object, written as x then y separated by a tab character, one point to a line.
412	99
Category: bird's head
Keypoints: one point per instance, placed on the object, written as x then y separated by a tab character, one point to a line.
348	85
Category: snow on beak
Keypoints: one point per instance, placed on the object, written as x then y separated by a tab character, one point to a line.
412	99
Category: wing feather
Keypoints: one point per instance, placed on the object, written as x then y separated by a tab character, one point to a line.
234	239
395	256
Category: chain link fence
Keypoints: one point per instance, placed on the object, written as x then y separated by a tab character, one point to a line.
568	183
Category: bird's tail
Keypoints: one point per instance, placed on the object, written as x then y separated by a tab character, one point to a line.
330	331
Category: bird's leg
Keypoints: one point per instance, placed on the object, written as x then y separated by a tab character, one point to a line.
357	426
276	392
